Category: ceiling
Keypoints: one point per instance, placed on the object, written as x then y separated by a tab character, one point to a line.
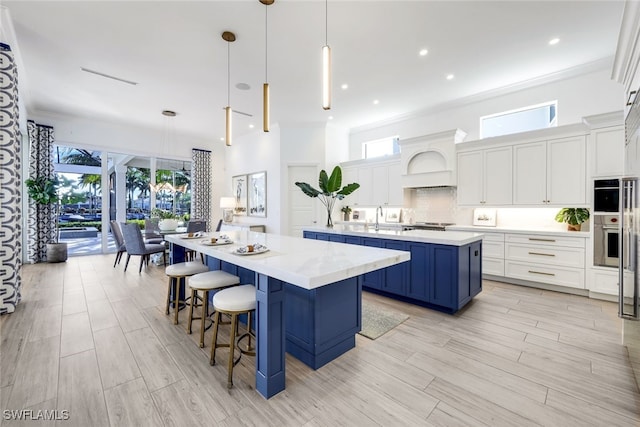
175	52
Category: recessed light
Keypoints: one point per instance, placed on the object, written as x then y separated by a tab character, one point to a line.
330	117
450	76
376	102
554	41
243	86
344	86
251	126
423	52
168	113
222	138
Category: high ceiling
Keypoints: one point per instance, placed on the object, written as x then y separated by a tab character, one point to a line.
174	51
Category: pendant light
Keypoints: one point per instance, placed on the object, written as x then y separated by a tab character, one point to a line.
229	37
265	86
326	65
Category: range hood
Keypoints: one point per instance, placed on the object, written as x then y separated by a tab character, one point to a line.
430	160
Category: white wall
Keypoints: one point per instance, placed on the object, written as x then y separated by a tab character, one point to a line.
580	96
257	152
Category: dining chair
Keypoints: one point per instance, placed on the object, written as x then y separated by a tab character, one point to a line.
135	245
195	226
152	231
119	238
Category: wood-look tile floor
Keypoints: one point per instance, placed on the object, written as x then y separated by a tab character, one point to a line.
93	340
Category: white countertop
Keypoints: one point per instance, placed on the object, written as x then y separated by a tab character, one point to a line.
519	230
303	262
453	238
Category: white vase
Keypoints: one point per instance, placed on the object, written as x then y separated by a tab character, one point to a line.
168	224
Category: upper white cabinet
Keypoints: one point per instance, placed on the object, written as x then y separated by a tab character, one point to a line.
608	150
485	177
550	172
379	181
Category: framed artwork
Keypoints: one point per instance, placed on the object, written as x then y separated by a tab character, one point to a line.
257	192
239	191
486	217
392	215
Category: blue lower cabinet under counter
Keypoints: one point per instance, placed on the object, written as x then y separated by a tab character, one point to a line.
438	276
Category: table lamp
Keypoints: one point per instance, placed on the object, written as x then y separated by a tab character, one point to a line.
227	204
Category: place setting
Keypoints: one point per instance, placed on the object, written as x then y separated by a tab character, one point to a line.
221	240
253	249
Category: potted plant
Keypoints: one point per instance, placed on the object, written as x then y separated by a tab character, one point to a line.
168	220
329	190
346	210
574	217
44	191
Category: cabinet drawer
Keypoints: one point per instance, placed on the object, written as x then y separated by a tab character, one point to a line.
548	240
492	249
604	282
561	276
493	237
548	255
493	266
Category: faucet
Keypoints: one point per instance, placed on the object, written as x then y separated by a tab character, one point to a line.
378	209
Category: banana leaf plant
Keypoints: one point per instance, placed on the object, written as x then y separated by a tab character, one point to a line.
330	190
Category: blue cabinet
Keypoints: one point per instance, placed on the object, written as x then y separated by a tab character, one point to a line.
443	277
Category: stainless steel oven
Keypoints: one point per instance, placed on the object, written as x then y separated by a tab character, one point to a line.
606	233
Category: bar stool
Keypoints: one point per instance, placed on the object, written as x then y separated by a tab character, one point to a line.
206	282
178	273
234	302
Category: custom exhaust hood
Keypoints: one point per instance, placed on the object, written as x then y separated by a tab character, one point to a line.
430	160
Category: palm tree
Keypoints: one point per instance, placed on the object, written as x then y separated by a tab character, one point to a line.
93	181
77	156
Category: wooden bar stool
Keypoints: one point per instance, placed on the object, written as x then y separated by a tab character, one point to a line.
206	282
234	302
178	274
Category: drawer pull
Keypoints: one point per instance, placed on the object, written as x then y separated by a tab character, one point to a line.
540	253
541	240
540	272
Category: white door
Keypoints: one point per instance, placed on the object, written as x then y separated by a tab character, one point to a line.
303	209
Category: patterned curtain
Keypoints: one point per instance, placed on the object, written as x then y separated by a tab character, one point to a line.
11	184
201	185
41	220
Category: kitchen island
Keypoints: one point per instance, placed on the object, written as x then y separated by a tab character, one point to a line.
308	294
445	271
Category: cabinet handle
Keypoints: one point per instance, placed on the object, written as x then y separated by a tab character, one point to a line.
541	272
541	240
540	253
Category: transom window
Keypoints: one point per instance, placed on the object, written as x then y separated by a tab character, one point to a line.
380	147
524	119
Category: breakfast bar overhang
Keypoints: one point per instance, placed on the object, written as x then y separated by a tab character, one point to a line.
312	287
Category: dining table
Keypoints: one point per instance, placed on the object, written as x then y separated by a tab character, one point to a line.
308	292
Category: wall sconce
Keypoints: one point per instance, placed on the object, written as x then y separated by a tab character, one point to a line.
227	204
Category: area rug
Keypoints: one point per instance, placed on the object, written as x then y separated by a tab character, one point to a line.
378	320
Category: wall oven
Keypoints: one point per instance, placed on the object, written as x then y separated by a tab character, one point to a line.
606	233
606	195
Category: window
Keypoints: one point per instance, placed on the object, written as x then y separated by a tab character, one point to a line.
380	147
534	117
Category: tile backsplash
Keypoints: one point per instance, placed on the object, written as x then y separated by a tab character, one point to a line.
436	204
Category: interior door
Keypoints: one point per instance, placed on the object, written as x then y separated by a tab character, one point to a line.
303	210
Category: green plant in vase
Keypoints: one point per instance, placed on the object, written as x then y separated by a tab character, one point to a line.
346	210
574	217
330	190
44	192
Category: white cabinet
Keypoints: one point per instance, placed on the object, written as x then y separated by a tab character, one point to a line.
493	254
555	260
550	172
379	182
485	177
608	150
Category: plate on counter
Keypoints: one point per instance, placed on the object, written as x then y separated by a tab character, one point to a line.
219	242
244	250
194	236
